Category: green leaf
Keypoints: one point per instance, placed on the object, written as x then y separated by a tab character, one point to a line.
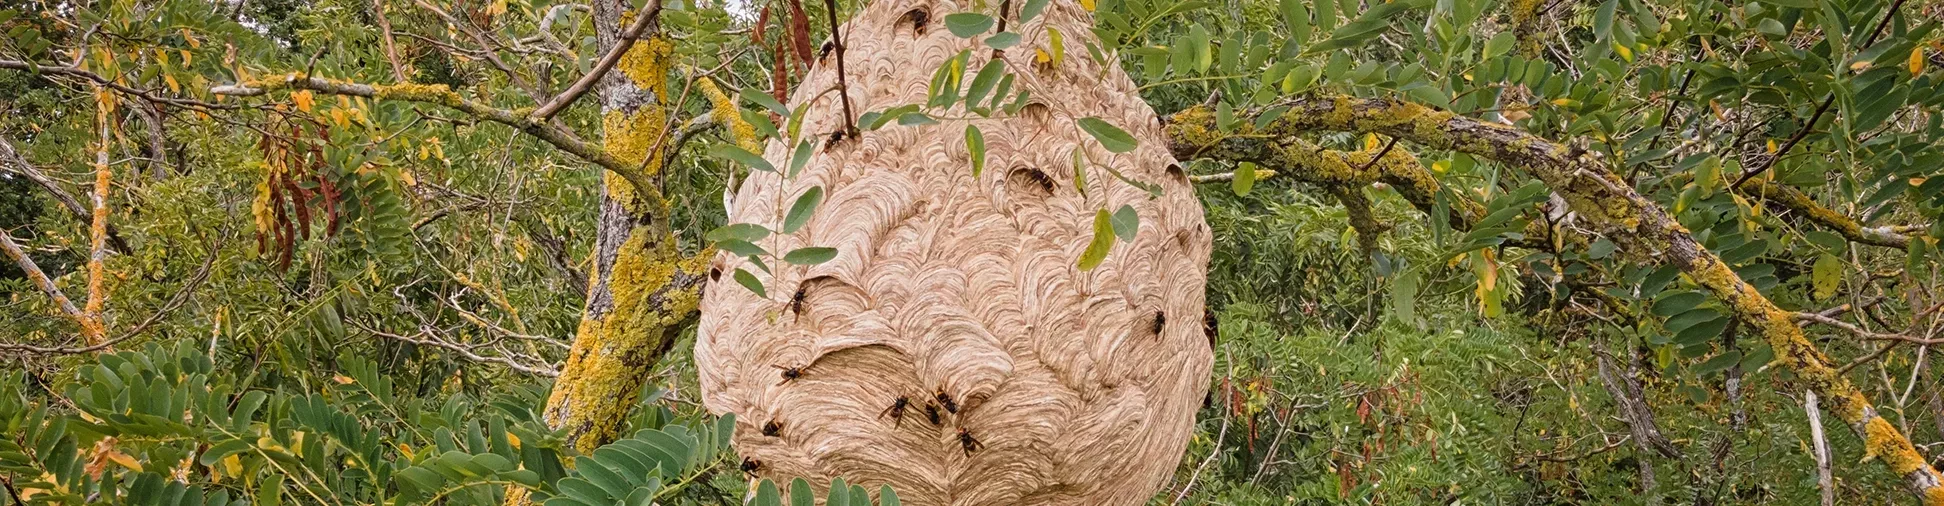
1914	262
1403	295
741	248
967	24
1198	37
766	495
1826	276
800	158
1103	241
745	231
1079	171
803	209
1678	302
915	119
270	491
1719	363
1298	17
800	494
1702	332
839	493
975	143
1498	46
758	97
742	156
1127	223
1002	40
886	496
810	256
1245	178
747	280
224	449
1110	136
1031	10
983	81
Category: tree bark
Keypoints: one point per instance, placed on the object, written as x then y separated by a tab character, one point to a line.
641	288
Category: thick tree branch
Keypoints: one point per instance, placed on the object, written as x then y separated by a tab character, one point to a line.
1641	227
98	226
439	94
39	278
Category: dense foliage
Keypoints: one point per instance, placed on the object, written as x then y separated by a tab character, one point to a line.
327	298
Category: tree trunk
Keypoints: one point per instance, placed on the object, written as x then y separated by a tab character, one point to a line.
641	287
957	294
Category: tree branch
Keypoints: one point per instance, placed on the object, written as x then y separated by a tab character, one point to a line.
46	284
94	78
439	94
1789	198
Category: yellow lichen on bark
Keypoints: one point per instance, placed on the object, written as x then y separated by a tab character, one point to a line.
432	93
727	114
1882	440
603	374
646	64
632	138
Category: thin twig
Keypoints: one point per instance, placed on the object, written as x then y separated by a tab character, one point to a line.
391	50
1228	405
180	297
843	88
1824	108
455	348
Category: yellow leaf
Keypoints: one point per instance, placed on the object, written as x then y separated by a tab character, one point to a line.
1860	66
514	440
337	116
1040	56
1772	147
124	460
1916	62
342	379
1625	52
191	38
233	465
174	87
186	57
405	176
1087	4
1058	41
304	99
